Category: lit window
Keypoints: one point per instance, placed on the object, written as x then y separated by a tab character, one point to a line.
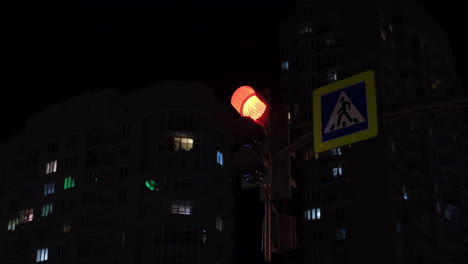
69	183
336	151
47	209
285	65
49	188
312	214
219	158
382	34
151	184
331	76
42	255
448	215
340	233
337	172
405	193
26	215
390	27
183	143
67	226
219	224
12	224
51	167
181	208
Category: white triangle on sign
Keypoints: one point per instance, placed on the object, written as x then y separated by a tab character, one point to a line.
341	119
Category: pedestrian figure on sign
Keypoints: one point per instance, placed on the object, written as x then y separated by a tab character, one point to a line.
343	111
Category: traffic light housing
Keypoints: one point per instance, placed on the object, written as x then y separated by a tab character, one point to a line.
251	131
252	149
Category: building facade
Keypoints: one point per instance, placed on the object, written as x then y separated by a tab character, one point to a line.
121	178
395	198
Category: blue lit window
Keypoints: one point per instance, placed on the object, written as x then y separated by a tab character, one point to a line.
49	188
219	158
42	255
337	172
405	193
285	65
312	214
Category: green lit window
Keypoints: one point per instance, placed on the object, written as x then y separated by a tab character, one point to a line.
69	183
151	184
12	224
47	209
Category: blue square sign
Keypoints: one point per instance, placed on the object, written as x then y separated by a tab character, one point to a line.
345	112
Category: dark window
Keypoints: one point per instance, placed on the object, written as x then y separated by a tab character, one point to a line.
53	146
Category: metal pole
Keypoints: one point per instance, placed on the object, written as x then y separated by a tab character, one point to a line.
267	231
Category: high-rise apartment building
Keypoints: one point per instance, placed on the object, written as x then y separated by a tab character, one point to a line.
120	178
398	197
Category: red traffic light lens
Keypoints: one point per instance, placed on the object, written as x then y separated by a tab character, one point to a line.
253	107
247	103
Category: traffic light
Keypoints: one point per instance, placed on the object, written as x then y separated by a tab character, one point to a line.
250	104
251	131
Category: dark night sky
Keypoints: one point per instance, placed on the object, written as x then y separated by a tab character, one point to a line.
48	55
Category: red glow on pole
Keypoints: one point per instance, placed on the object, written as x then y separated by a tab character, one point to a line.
247	103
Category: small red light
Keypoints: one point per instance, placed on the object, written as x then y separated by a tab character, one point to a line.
247	103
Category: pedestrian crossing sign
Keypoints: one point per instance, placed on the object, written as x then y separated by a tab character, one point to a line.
345	112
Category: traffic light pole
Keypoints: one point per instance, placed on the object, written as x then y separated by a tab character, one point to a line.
268	198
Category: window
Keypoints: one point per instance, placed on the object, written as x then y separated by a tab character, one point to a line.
438	207
331	76
219	158
51	167
341	233
49	188
181	207
69	183
337	172
123	172
12	224
285	65
330	42
122	196
53	146
47	209
67	226
125	150
382	34
336	151
183	143
398	226
42	255
219	224
72	141
26	215
312	214
126	130
405	193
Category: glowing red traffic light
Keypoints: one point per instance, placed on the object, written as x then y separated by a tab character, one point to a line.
247	103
